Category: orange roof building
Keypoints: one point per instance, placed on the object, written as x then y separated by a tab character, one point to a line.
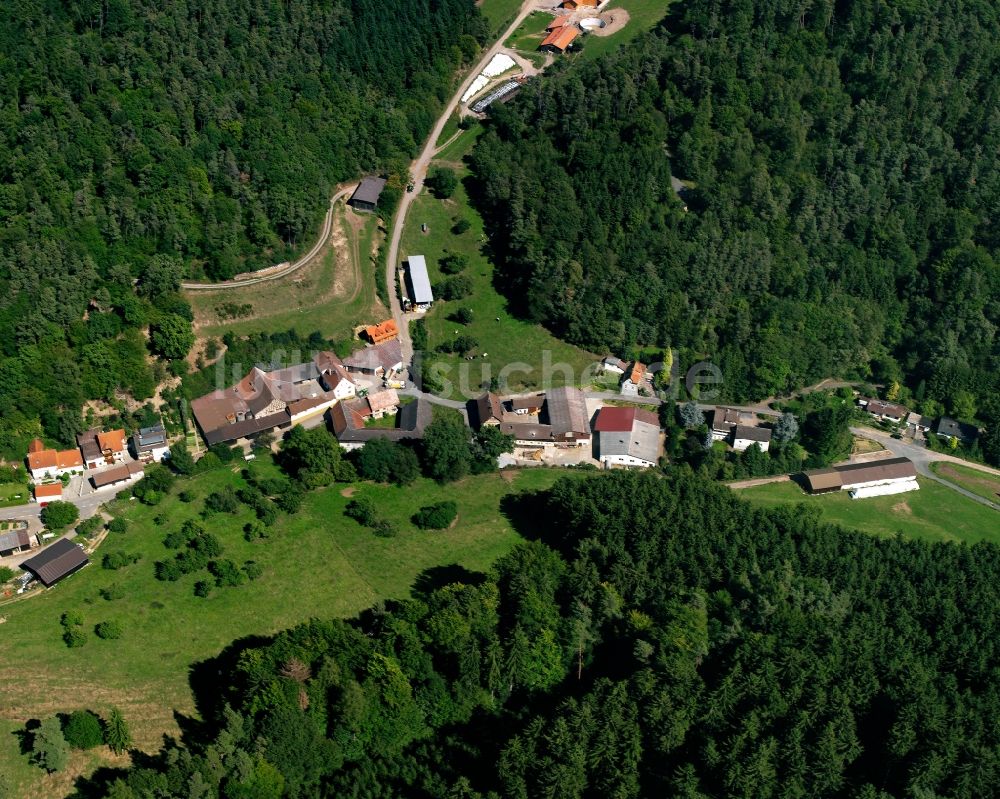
384	331
558	22
111	441
48	492
560	38
52	463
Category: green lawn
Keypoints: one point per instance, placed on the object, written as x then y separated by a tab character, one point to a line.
981	483
643	15
934	513
507	341
332	296
499	13
529	34
317	563
12	494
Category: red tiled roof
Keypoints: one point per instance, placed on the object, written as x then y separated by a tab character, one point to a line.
113	440
561	37
620	420
51	459
48	491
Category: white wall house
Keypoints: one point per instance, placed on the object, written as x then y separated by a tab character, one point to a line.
745	437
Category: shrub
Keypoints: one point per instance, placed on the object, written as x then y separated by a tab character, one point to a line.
453	264
418	335
167	571
437	516
112	592
6	574
109	630
443	182
202	588
223	501
252	569
254	530
71	618
74	637
362	510
88	527
226	573
454	288
187	496
460	227
384	528
49	747
463	316
118	560
118	525
82	730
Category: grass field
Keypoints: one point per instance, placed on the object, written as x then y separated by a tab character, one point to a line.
507	341
317	563
981	483
499	13
643	15
529	34
934	513
12	494
332	295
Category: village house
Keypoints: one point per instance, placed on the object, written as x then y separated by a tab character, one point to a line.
149	444
419	282
50	464
882	410
382	332
348	422
56	562
102	448
638	379
862	480
381	403
950	428
47	492
723	422
489	410
627	437
745	436
13	542
365	196
336	379
120	475
614	366
528	406
379	360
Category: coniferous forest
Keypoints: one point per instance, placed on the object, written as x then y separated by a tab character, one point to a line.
658	637
843	187
144	142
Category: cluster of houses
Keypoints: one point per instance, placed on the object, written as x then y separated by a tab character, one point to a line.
351	391
916	424
103	454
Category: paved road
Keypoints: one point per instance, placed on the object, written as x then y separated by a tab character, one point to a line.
418	171
324	234
923	457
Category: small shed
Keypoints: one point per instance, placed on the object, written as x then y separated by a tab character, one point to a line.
365	197
14	541
420	282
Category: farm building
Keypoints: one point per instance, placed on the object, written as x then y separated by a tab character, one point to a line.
14	541
56	562
559	39
348	421
420	283
382	332
378	360
49	492
365	197
627	437
862	480
118	476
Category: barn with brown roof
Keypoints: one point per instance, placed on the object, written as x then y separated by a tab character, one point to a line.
56	562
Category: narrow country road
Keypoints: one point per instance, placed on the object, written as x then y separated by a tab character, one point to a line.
324	234
922	459
418	171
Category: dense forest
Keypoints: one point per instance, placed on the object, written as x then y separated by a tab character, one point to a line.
658	637
842	193
140	143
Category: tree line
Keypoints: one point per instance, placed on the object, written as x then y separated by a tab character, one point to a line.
699	648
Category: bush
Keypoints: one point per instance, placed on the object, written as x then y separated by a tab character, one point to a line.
443	182
226	573
362	510
71	618
59	515
74	637
463	316
6	573
453	264
82	730
202	588
109	630
223	501
252	569
112	592
167	571
437	516
460	227
118	525
254	530
384	528
49	747
118	560
88	527
187	496
418	335
454	288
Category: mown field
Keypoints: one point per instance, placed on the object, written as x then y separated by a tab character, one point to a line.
934	513
529	34
333	295
505	341
643	15
316	563
978	482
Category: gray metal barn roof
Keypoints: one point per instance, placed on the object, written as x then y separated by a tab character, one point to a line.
368	190
15	539
419	280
